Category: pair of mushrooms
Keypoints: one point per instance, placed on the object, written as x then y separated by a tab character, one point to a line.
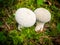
27	18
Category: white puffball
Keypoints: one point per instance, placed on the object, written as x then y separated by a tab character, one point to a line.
25	17
42	15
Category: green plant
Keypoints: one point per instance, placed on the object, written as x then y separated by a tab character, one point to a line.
7	3
40	2
2	38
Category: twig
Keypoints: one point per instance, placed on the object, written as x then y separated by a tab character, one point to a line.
8	27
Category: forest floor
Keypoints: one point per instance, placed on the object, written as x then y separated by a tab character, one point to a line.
10	35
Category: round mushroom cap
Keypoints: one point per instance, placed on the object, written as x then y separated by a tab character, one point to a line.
42	15
25	17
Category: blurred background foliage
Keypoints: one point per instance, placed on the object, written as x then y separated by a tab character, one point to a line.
9	34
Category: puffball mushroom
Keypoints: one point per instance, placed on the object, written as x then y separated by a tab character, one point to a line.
43	16
25	17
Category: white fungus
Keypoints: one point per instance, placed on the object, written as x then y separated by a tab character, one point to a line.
43	16
25	17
